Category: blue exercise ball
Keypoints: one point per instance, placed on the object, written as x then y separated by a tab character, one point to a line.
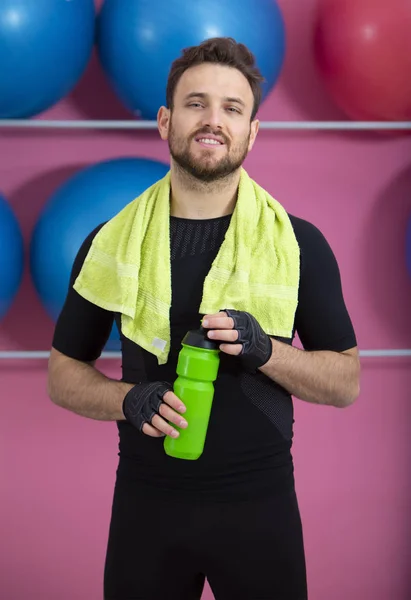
90	197
138	40
11	256
45	46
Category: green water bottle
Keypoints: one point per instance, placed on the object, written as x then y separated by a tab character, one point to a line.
197	369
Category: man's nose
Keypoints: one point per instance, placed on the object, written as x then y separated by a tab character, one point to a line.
212	118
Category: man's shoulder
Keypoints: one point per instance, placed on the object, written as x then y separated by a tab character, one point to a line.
305	231
315	250
87	242
92	234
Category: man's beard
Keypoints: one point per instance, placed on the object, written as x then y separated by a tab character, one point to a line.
199	168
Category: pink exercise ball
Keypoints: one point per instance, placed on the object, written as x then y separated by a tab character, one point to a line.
363	51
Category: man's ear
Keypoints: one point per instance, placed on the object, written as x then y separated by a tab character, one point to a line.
255	125
163	122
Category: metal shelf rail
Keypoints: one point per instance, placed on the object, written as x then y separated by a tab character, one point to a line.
44	354
145	125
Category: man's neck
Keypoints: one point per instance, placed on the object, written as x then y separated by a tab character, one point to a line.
194	199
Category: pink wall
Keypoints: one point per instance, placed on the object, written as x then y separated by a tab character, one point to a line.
352	466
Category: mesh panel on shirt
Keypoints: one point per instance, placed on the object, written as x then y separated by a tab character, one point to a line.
272	400
190	237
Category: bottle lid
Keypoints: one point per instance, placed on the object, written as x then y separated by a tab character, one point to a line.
198	339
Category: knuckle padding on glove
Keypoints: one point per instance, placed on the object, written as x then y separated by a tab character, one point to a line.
143	402
257	348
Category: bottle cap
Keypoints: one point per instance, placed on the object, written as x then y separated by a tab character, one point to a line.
198	339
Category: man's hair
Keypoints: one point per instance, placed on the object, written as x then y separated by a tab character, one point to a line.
223	51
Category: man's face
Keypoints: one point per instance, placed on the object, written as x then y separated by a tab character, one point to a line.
209	130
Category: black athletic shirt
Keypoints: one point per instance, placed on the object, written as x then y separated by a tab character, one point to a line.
249	439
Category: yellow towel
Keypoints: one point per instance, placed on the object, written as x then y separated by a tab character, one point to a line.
127	269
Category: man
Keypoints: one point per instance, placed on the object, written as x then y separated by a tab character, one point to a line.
232	515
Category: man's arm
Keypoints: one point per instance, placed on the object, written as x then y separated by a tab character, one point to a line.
75	384
320	377
79	387
327	371
80	335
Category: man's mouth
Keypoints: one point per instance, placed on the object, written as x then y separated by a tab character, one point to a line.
208	141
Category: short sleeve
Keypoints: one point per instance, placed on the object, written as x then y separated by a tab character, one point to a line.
322	319
82	328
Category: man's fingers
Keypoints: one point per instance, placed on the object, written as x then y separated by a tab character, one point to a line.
171	399
168	413
152	431
226	335
220	321
160	427
164	427
233	349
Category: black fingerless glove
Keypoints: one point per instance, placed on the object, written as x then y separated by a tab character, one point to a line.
257	347
143	401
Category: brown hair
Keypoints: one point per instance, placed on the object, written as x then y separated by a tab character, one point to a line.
223	51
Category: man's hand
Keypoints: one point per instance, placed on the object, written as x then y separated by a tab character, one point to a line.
241	335
146	403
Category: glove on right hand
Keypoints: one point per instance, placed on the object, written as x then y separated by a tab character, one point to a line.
143	401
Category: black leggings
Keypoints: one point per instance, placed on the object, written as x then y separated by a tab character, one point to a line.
164	549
